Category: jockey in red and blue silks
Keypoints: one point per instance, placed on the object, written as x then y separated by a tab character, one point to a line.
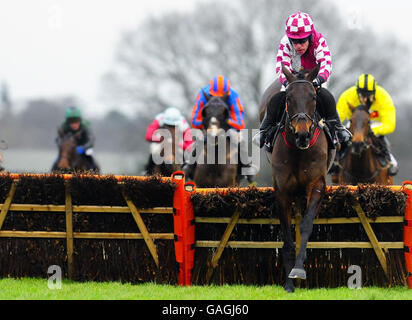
219	87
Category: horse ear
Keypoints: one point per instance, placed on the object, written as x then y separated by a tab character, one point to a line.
207	96
289	76
313	74
226	97
351	106
60	133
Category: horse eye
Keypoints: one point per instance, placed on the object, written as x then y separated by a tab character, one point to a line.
314	97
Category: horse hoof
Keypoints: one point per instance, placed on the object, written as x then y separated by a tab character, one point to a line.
289	289
297	274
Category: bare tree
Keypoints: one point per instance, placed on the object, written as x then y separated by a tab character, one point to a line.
167	59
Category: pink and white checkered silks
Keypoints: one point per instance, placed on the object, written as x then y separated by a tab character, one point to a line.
317	53
299	26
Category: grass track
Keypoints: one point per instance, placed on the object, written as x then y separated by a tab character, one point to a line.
37	289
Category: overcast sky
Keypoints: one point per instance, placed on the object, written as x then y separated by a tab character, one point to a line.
62	47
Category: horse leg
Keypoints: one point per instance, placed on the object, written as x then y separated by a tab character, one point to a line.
288	250
315	195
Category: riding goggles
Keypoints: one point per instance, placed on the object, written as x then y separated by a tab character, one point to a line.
366	94
299	41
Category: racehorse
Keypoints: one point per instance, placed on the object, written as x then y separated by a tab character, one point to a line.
300	160
69	160
360	163
168	152
219	169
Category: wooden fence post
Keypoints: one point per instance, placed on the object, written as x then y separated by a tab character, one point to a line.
69	232
7	203
372	237
223	242
142	227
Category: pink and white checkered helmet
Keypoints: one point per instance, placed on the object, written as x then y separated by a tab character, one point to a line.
299	26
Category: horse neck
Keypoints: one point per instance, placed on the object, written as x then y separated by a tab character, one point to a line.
67	155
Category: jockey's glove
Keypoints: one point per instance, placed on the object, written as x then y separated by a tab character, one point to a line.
80	150
318	82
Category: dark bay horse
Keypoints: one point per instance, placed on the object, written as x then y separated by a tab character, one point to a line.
360	163
219	153
69	160
169	153
300	161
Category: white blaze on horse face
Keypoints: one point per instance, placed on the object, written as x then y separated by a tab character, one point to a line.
213	127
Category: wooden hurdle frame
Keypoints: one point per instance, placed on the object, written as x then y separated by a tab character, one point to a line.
380	248
69	209
184	226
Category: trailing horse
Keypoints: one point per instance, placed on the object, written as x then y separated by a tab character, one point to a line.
300	160
365	161
169	152
69	160
217	162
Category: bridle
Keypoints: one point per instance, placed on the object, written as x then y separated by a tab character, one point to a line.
300	115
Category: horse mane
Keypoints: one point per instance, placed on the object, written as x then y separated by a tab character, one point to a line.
362	107
217	101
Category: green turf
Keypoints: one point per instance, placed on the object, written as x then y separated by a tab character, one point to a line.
37	289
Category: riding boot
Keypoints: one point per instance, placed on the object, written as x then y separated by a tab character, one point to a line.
394	167
260	139
326	106
270	122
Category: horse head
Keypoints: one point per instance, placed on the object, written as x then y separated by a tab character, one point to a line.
215	114
360	129
169	157
168	151
301	105
67	152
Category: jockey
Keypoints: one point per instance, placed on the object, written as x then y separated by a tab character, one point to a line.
381	108
303	48
220	86
74	123
170	117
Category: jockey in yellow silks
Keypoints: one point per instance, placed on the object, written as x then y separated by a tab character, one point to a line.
381	108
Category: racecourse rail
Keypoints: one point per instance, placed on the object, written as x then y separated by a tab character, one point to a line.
184	221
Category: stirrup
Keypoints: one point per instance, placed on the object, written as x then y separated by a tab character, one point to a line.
393	170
